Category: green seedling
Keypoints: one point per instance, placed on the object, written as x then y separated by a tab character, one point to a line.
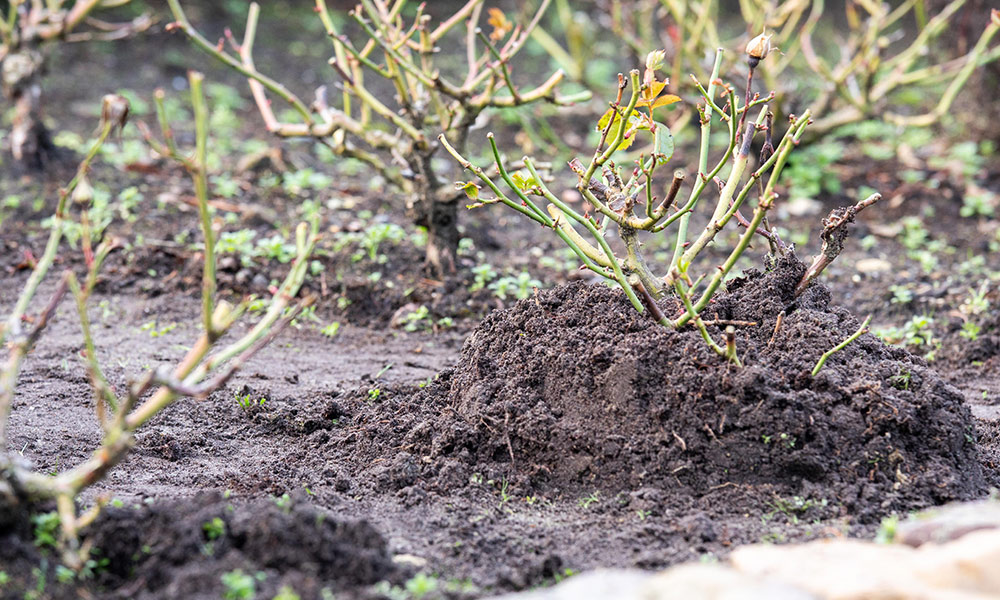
247	402
589	500
214	529
284	502
901	380
978	203
970	331
519	287
793	507
915	332
421	585
420	319
46	529
238	585
976	303
286	593
154	331
331	330
900	294
483	275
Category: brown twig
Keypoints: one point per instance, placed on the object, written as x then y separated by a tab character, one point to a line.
834	234
777	326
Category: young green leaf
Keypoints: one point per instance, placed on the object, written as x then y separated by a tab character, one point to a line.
523	183
471	189
663	142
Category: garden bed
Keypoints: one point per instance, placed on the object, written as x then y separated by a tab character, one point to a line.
505	437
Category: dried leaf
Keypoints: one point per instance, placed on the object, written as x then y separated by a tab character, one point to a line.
665	100
501	26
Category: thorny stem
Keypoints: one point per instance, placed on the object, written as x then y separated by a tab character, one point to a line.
185	26
198	371
199	173
103	396
13	325
731	346
746	103
20	344
572	239
685	296
822	359
706	133
601	158
763	205
723	209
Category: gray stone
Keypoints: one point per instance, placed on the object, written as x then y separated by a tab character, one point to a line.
948	522
716	582
602	584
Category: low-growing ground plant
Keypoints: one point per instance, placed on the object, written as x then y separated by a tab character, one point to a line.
121	412
397	137
625	195
25	28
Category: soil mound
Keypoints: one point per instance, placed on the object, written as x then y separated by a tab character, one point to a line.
178	549
573	391
182	548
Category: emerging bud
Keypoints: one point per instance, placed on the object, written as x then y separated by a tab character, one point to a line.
758	48
114	110
654	60
995	17
83	193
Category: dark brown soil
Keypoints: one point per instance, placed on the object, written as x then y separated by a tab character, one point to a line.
597	478
169	549
569	433
573	390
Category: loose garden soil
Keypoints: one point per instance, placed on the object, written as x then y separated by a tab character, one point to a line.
561	433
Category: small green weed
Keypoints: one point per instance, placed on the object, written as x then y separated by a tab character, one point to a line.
246	401
901	380
887	530
970	331
589	500
519	287
284	501
214	529
978	203
900	294
331	330
286	593
239	585
46	529
915	332
155	331
793	507
420	319
483	275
